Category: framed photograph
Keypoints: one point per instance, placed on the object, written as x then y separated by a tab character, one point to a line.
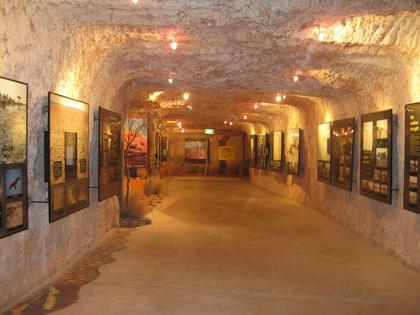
13	156
262	152
196	150
324	153
342	153
292	151
68	137
109	166
411	157
376	155
252	151
276	150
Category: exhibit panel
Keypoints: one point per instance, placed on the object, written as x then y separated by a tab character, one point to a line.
342	148
109	173
252	151
136	146
68	158
292	151
324	153
13	157
376	156
262	151
196	151
412	157
276	150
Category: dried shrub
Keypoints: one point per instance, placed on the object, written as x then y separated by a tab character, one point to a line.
136	207
153	186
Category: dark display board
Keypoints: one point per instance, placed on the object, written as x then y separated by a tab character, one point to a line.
68	156
342	149
253	151
276	150
376	156
164	146
292	151
109	172
412	157
324	153
196	151
13	157
262	151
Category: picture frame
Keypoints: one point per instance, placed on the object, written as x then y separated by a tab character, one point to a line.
324	153
411	157
14	97
196	150
292	151
253	151
276	151
68	142
262	153
109	154
376	155
342	153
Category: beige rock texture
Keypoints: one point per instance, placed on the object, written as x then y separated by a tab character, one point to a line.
352	57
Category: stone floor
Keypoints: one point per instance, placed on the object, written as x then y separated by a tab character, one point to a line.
222	246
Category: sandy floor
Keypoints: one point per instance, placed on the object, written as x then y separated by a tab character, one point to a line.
222	246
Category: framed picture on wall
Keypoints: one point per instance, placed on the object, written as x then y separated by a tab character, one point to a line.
324	153
262	151
376	156
276	150
252	151
13	157
292	149
196	151
68	155
412	157
109	166
342	144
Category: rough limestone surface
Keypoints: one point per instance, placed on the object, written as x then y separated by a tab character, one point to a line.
352	57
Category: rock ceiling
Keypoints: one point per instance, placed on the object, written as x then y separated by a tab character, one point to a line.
234	54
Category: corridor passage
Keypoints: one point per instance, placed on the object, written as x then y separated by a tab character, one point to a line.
223	246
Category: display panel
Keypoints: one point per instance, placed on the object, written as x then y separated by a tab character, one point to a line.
276	150
376	156
253	151
412	157
196	151
262	151
68	155
324	153
136	146
109	172
13	157
292	151
342	144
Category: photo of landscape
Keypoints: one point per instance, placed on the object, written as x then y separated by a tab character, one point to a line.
13	104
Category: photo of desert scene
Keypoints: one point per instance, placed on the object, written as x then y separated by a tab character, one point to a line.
69	144
135	145
13	105
195	149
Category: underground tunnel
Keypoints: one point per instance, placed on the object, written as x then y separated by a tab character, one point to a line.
209	157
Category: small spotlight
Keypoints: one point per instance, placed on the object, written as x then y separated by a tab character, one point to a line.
295	78
255	106
284	96
189	107
183	130
225	122
179	124
322	36
278	98
245	117
171	80
230	123
174	45
135	1
186	96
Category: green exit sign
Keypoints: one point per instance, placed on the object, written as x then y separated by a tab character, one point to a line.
209	131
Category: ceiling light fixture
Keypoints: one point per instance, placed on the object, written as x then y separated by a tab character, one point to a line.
186	96
189	107
174	45
278	98
225	122
183	130
245	117
135	1
255	106
230	123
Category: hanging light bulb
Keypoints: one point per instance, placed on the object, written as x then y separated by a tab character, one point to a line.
225	122
170	80
278	98
186	96
230	123
295	78
174	45
245	117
